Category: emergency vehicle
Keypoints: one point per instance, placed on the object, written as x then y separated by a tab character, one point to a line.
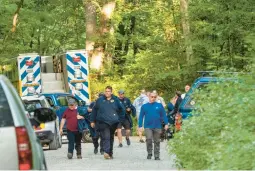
62	73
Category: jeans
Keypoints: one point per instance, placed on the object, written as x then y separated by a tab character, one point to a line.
153	135
74	138
107	134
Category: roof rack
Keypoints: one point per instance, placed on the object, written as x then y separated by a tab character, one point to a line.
209	73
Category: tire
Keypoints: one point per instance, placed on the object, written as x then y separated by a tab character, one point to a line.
54	143
86	138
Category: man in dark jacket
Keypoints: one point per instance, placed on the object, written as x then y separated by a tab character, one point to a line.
176	106
127	122
95	131
107	113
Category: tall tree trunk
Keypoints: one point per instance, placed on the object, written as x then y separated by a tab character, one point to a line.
186	28
15	17
91	18
91	33
95	43
105	32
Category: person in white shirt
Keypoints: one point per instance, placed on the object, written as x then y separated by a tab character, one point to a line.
187	88
139	101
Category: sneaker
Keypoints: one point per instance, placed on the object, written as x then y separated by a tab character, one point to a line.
70	155
95	150
149	156
120	145
141	141
128	141
157	158
79	156
107	156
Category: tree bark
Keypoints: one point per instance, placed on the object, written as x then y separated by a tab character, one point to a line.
15	17
91	23
186	28
95	35
106	31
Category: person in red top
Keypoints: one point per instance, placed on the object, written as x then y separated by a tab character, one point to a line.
74	137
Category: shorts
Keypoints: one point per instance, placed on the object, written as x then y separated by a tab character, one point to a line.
126	124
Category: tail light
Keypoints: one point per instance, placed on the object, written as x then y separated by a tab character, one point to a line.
24	149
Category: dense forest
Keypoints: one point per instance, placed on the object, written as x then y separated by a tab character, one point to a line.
135	44
156	44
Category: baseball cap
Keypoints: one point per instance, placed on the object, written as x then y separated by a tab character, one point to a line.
71	102
121	91
101	94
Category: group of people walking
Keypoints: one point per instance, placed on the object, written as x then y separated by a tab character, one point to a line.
109	113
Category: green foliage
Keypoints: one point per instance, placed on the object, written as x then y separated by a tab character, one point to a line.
45	27
148	50
221	31
152	45
221	134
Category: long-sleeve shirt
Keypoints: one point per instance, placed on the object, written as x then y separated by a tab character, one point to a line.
139	102
153	114
107	111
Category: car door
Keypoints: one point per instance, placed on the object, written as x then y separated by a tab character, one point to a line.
8	143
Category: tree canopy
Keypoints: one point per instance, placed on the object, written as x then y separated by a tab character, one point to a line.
144	39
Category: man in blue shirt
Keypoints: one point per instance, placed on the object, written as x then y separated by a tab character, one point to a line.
153	114
107	113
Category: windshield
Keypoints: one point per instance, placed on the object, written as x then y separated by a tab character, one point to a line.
6	119
35	104
190	102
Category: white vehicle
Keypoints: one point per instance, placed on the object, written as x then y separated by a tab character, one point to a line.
47	130
19	147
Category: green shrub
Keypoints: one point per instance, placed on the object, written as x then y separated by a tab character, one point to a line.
221	135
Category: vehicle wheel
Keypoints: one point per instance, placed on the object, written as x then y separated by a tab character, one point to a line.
86	138
54	143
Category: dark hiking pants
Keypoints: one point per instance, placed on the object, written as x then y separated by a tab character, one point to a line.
107	134
95	139
153	135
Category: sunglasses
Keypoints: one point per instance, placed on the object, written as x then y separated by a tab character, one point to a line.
71	105
154	97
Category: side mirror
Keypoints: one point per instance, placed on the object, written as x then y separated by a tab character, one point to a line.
44	115
82	103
